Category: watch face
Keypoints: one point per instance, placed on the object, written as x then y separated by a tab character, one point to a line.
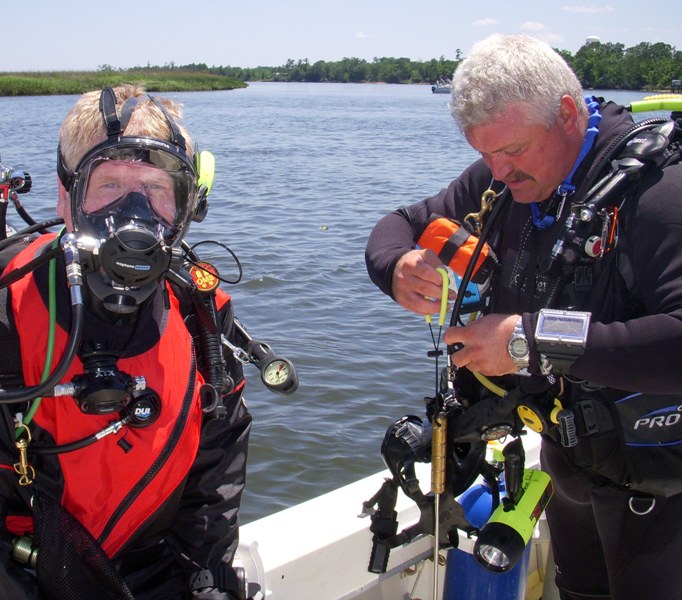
518	347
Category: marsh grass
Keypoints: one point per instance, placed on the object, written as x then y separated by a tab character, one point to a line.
77	82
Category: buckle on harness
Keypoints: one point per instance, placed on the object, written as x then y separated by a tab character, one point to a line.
581	421
588	417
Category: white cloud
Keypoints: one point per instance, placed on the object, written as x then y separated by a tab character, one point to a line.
553	39
588	9
361	35
485	22
532	26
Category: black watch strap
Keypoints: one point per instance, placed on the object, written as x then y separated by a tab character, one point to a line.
561	361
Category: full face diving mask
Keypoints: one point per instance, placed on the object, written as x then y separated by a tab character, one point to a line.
134	198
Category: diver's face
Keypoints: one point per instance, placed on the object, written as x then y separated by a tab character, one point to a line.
530	158
112	180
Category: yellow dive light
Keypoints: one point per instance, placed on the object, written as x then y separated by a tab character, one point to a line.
503	538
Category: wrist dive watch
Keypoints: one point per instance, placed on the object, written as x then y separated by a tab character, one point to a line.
518	347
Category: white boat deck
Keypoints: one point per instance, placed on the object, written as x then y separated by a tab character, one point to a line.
320	549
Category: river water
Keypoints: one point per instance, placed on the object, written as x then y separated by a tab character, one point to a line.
303	173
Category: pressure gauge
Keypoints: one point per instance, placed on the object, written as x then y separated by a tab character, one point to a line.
279	375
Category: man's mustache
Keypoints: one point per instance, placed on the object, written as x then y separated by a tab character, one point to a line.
517	176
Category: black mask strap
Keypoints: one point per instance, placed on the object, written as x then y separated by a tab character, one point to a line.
114	127
176	137
127	111
107	106
64	176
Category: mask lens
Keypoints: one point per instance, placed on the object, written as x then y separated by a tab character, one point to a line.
140	167
111	181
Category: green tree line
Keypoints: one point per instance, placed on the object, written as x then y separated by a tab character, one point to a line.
646	66
347	70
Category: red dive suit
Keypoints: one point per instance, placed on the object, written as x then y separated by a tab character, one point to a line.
161	500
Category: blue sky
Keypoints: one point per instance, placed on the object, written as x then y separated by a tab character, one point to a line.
50	35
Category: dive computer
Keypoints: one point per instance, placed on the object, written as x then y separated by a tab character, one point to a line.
561	336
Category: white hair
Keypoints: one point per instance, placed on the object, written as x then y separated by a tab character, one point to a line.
507	70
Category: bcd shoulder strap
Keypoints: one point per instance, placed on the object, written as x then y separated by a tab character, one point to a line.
649	146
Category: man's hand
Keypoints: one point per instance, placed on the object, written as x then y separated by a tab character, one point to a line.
484	344
417	285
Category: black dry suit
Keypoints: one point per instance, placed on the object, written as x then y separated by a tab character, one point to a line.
141	512
625	391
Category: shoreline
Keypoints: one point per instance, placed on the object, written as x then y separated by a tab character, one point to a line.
50	83
77	82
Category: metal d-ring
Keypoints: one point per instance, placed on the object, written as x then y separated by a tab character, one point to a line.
637	511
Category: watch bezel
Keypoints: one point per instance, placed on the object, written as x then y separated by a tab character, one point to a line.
515	340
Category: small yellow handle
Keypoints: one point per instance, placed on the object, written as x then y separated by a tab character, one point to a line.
443	298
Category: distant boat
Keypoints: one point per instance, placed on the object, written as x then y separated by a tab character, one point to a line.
442	86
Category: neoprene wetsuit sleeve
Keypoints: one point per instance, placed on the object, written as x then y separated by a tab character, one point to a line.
397	233
641	351
389	240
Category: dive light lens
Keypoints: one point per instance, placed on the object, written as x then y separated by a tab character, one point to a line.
499	546
493	558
